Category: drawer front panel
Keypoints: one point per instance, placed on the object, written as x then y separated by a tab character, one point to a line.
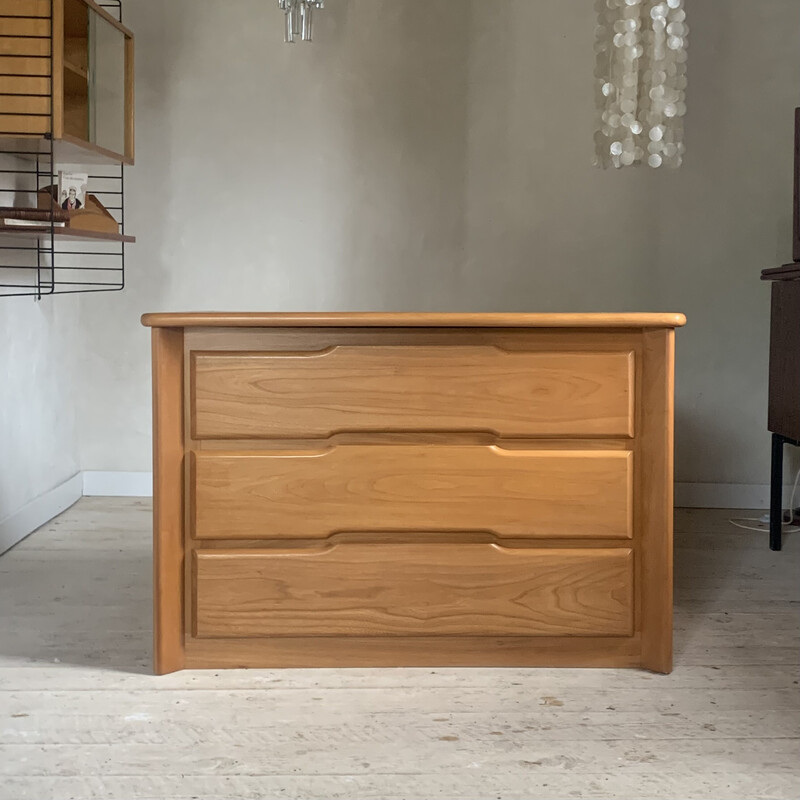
414	590
511	493
412	388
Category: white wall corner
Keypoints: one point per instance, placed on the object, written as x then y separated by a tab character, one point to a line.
118	484
38	512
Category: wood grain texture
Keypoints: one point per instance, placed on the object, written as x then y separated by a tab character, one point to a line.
318	394
25	108
24	38
405	319
654	509
76	55
349	652
25	85
24	47
414	589
22	104
27	125
57	61
22	65
168	513
76	20
294	340
75	115
75	81
76	69
24	26
453	438
26	8
542	493
397	486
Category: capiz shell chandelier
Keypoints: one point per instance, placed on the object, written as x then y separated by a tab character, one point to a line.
299	18
641	82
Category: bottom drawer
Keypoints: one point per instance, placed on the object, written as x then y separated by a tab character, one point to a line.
376	589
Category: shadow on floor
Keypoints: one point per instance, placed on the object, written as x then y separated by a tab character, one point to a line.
78	590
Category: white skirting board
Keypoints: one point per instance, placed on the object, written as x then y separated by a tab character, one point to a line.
40	511
727	495
140	484
118	484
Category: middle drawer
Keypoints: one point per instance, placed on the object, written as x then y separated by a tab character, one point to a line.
374	488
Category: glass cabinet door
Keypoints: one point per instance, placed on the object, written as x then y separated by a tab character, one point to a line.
107	85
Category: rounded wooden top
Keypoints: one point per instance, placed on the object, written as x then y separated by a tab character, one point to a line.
371	319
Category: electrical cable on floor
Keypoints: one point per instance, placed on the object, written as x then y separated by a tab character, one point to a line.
786	526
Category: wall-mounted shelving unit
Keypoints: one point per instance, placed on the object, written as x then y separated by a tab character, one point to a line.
66	101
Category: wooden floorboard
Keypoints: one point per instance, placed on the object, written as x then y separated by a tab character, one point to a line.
82	718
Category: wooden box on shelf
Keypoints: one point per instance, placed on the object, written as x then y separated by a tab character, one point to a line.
92	217
66	68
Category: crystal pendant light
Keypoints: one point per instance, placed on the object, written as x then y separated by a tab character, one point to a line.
641	82
299	18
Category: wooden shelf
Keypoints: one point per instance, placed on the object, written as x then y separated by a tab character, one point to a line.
47	126
407	319
31	231
788	272
76	70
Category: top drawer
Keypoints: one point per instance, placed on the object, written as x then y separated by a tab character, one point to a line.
411	388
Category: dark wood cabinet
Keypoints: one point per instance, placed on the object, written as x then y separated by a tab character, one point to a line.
784	381
784	360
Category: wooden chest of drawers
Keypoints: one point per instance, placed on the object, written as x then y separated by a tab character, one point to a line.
413	489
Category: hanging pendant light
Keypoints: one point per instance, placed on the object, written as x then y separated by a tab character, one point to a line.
641	82
299	16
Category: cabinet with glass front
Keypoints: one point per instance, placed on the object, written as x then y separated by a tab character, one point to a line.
66	70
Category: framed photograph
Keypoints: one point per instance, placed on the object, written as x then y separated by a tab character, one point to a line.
72	188
796	234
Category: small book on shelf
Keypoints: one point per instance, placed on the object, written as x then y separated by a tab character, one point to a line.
32	217
29	223
72	188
